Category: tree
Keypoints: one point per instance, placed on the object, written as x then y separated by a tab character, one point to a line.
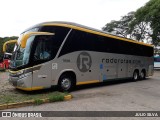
120	27
150	15
142	25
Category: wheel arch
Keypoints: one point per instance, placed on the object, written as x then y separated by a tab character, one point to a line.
144	70
137	70
69	72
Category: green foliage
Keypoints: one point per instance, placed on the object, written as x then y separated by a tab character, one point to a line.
142	25
38	101
150	13
9	47
120	27
54	98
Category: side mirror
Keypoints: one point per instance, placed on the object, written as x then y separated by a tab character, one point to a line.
29	34
8	42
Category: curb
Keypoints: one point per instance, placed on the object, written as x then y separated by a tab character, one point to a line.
67	97
28	103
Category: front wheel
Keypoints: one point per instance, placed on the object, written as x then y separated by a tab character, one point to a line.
65	83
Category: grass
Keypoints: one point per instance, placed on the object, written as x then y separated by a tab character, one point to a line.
9	94
53	98
15	95
38	101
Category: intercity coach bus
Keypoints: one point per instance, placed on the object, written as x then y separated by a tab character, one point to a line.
68	54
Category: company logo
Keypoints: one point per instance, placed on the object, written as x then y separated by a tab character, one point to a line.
84	61
54	66
21	114
6	114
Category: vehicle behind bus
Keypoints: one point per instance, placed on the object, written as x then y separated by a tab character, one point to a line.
5	61
1	64
157	62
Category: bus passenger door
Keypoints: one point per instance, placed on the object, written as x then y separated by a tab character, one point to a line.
122	69
42	62
42	76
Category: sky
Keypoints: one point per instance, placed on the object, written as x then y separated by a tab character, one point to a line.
18	15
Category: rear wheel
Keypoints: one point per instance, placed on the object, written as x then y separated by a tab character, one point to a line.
143	75
66	83
135	75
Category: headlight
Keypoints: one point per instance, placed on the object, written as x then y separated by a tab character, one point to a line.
20	83
25	75
22	76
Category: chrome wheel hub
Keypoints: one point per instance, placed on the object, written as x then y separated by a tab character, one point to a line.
66	83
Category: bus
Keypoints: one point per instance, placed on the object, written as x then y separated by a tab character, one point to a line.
66	54
5	60
156	62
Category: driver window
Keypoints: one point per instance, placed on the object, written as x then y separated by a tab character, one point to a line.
43	48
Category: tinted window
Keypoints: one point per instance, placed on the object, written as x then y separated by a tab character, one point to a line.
7	56
45	47
57	39
79	41
157	59
60	33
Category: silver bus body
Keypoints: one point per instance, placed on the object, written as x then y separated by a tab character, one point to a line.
78	63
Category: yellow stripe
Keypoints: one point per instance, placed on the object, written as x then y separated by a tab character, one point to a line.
87	82
96	32
30	89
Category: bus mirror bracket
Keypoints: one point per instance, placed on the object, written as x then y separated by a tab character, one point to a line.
6	43
29	34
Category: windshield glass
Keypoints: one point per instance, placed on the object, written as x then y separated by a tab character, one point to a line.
21	55
7	56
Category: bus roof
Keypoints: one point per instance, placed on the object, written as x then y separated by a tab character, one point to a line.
86	29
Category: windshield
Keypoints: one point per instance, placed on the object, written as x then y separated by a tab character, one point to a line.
7	56
21	55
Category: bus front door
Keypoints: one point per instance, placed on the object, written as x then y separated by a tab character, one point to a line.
42	76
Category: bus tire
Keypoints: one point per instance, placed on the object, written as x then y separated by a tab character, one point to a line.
66	83
135	75
143	75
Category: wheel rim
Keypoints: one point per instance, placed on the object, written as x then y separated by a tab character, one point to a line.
135	76
66	83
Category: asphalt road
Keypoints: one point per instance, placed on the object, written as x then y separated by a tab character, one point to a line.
125	95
